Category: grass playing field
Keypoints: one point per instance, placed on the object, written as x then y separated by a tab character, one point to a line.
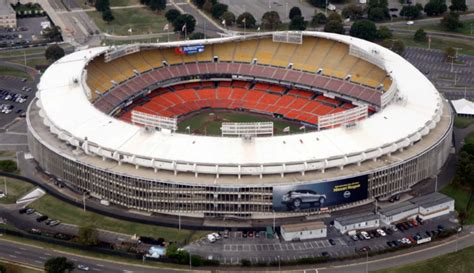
209	122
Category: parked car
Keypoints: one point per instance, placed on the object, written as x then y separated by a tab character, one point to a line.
211	238
298	198
381	232
30	211
365	235
332	242
41	218
82	267
354	238
54	223
22	210
225	234
363	249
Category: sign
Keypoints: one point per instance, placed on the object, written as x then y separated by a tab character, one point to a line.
189	50
319	195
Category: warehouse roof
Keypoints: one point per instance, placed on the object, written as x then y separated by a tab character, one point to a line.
356	218
303	226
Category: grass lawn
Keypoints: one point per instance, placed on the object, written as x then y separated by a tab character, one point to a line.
461	197
14	267
469	138
7	153
463	122
459	262
465	29
21	52
33	62
16	189
140	20
67	213
438	43
121	3
209	123
8	71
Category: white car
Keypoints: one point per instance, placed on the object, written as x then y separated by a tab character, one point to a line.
381	232
410	23
365	235
216	235
211	238
82	267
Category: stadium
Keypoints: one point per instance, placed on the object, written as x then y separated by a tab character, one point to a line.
290	123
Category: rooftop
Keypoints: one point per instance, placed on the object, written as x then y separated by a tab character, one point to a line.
397	208
356	218
303	226
431	199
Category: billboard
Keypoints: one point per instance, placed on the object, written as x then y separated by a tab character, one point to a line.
189	50
319	195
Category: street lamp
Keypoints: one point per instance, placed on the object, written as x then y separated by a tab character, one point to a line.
279	263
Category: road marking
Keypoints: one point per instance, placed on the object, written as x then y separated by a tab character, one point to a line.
100	265
38	262
47	254
22	248
17	252
13	256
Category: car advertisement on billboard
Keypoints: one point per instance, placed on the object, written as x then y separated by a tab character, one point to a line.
319	195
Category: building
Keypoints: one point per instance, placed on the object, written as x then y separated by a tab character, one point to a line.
463	107
398	212
366	147
303	231
433	205
359	221
7	15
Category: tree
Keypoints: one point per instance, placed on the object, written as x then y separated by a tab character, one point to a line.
3	269
54	52
458	5
319	19
247	19
334	16
435	7
58	265
52	33
157	5
420	35
364	29
451	21
229	18
107	16
294	11
184	19
218	9
208	6
376	14
334	27
352	11
377	10
102	5
411	12
172	14
396	46
318	3
449	54
384	33
199	3
88	235
197	36
297	23
271	20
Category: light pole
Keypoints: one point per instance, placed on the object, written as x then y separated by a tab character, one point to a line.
279	263
5	184
84	200
436	183
190	265
367	261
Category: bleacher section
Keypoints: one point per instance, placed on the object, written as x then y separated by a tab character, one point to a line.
315	53
262	97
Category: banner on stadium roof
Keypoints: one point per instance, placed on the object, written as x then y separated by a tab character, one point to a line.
319	195
189	50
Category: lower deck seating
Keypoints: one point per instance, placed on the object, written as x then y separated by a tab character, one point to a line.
186	98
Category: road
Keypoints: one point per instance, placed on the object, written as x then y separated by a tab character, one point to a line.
36	256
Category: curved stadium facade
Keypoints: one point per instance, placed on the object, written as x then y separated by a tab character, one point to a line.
382	127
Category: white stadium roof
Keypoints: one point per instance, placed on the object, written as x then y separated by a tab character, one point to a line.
69	114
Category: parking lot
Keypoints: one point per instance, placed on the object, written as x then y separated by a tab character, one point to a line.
258	248
27	31
9	88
